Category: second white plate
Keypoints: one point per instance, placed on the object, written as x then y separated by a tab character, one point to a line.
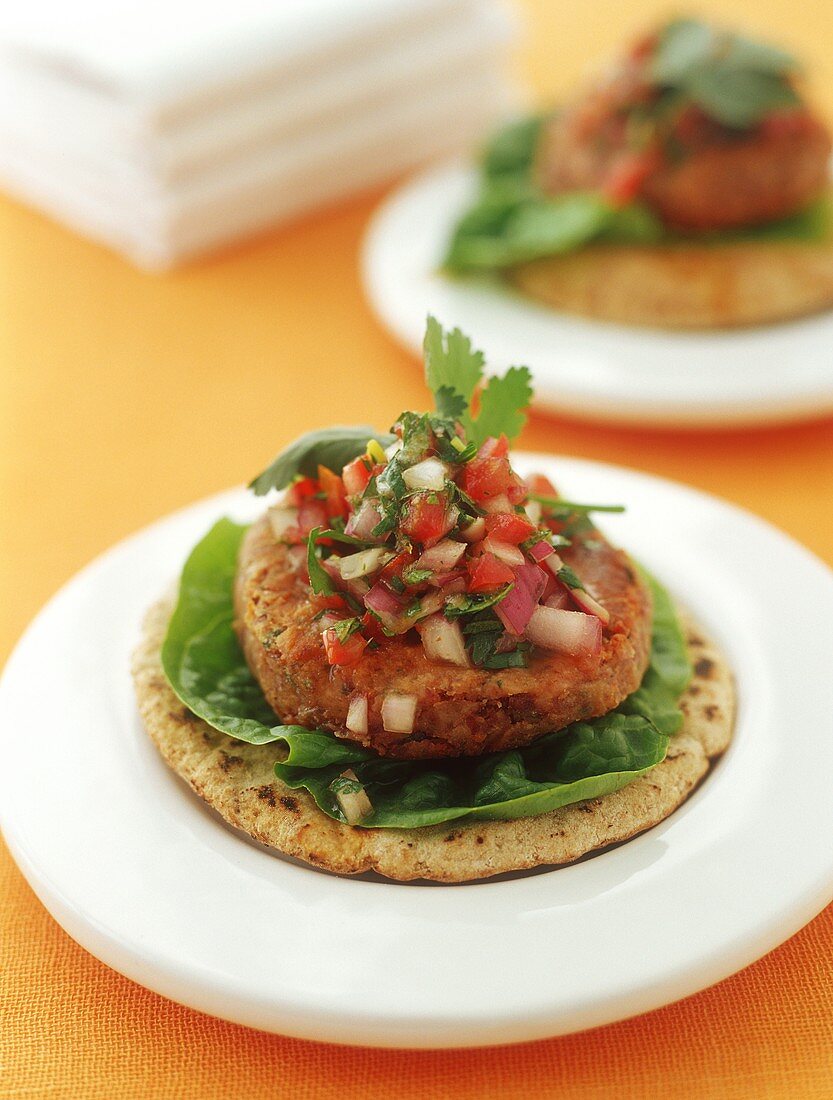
590	369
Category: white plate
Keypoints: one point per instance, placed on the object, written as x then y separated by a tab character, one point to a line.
587	368
143	876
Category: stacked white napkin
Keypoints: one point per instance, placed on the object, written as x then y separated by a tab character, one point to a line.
164	128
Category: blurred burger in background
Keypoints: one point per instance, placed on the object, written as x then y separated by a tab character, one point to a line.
685	186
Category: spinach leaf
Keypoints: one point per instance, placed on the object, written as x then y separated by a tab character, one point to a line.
331	447
204	664
201	656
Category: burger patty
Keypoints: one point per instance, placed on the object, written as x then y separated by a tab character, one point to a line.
460	712
726	183
761	179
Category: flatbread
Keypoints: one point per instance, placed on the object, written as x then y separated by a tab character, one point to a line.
238	780
686	286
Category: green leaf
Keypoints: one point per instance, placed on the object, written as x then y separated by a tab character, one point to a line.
206	668
568	577
502	404
451	363
511	151
470	603
684	45
453	370
449	404
739	97
551	227
331	447
201	657
320	580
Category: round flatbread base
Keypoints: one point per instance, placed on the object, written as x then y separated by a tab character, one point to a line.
686	286
238	780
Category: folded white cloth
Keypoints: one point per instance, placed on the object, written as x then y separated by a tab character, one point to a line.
166	127
40	103
270	186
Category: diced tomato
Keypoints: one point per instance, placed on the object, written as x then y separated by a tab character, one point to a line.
541	485
330	603
509	527
486	478
488	573
397	565
372	628
302	490
356	475
312	513
343	653
516	490
625	179
333	489
494	448
427	517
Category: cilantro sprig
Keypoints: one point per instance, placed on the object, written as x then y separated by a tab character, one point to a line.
454	373
733	79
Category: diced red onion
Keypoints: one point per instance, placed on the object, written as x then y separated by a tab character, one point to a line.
505	551
442	557
475	531
553	563
443	641
298	556
533	511
442	580
357	714
587	603
354	804
540	550
281	520
360	525
570	632
516	608
381	600
560	598
399	712
362	563
428	474
497	504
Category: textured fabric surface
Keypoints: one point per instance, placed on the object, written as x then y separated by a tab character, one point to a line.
114	392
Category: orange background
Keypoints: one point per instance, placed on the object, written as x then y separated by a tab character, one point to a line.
123	396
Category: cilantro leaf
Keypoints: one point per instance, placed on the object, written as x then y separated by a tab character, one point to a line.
450	361
469	603
320	581
453	371
502	405
450	405
568	577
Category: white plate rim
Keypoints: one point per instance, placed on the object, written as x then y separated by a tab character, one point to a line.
430	1026
612	373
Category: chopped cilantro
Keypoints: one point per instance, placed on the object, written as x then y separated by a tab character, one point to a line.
467	603
344	628
411	575
568	577
319	579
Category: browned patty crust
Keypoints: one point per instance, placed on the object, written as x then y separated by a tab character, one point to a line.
460	712
727	183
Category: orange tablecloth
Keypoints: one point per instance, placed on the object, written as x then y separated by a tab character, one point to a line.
123	396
